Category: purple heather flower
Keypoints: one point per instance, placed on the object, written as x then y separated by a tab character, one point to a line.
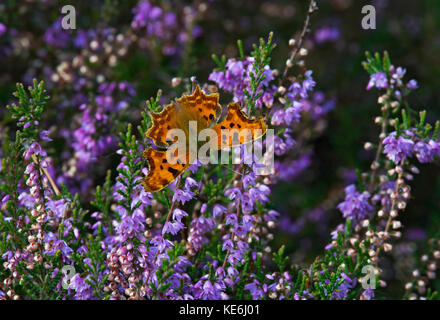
81	40
356	206
236	78
368	294
412	84
308	84
300	90
398	149
209	291
172	227
233	193
190	182
293	114
53	244
183	195
267	98
218	210
327	34
255	289
199	227
58	207
4	200
249	180
291	169
231	218
164	26
425	152
247	204
248	221
235	67
36	149
278	117
44	135
161	243
344	288
378	80
178	214
271	215
3	29
56	36
398	73
83	291
260	193
194	167
228	245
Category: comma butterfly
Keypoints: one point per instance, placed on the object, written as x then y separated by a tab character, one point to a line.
205	110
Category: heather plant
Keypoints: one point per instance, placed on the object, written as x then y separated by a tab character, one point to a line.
77	223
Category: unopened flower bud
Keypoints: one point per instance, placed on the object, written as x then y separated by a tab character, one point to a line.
375	165
387	247
368	146
176	81
415	170
396	224
281	89
394	104
401	205
397	234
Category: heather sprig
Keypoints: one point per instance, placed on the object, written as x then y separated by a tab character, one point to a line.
261	58
405	141
37	209
29	109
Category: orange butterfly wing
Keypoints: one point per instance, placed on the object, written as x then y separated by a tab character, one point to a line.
196	107
162	123
237	129
160	171
203	108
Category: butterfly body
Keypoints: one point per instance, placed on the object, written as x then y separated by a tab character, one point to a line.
190	115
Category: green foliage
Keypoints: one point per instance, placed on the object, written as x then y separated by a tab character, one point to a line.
262	57
375	64
30	107
130	151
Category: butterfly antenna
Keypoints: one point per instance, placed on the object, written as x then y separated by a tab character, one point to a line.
232	170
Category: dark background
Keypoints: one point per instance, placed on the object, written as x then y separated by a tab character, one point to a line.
407	29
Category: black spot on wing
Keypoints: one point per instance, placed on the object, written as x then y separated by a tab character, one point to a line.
173	171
